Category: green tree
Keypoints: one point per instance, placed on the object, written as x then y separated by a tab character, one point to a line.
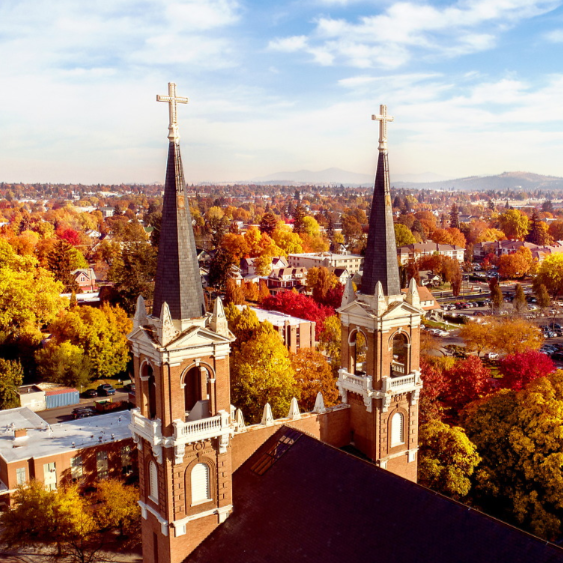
447	459
261	373
133	273
63	363
454	217
403	235
313	374
299	215
220	269
101	333
518	436
11	377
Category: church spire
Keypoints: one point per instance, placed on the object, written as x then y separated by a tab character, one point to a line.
380	263
178	282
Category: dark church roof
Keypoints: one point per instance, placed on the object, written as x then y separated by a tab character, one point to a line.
380	263
178	281
298	499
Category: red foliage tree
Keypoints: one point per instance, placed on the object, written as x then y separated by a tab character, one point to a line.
301	306
70	235
521	368
468	380
333	297
435	385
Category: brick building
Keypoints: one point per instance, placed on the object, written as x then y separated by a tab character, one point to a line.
296	333
79	450
213	489
351	262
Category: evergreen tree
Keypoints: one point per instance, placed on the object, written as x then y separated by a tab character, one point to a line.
454	217
299	215
519	302
547	206
496	297
220	269
268	223
542	297
61	261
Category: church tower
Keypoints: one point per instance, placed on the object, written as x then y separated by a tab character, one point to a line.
379	376
182	424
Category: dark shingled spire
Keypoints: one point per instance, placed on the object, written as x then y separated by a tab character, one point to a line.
178	281
380	263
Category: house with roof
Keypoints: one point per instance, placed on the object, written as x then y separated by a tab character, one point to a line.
86	279
418	250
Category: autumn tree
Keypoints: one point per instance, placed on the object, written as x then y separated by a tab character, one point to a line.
62	262
490	235
449	236
520	304
513	265
542	297
466	381
243	323
261	373
403	235
514	224
101	333
11	377
518	436
63	363
509	336
476	336
330	341
313	374
434	385
550	274
320	281
519	369
447	459
118	506
234	293
263	291
268	223
497	297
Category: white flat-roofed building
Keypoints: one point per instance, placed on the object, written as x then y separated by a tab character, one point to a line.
351	262
79	450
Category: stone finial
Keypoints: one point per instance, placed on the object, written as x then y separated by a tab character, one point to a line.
380	300
294	413
218	322
166	329
140	318
319	407
239	421
348	296
267	417
413	298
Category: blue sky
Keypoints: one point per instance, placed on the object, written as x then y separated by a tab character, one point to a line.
476	87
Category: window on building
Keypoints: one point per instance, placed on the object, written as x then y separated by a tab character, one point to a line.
20	476
126	464
200	483
102	464
397	429
76	470
50	476
399	362
153	481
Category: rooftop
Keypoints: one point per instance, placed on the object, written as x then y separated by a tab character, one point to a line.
274	317
330	255
46	440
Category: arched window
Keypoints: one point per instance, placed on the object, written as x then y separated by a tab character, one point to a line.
358	353
200	483
399	362
397	429
153	481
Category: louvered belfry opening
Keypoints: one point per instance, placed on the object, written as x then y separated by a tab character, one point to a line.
200	483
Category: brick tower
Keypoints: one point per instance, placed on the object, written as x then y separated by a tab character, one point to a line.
379	376
182	425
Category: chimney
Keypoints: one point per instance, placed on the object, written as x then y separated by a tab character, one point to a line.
20	433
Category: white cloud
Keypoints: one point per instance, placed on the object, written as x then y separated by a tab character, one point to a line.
555	36
389	39
288	44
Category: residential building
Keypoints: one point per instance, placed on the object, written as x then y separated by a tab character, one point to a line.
351	262
504	247
86	279
284	279
419	249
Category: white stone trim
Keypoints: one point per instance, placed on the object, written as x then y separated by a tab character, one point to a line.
222	512
146	508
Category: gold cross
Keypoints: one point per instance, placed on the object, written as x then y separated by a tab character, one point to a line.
172	99
383	118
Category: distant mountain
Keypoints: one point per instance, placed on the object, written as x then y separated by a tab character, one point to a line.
328	176
507	180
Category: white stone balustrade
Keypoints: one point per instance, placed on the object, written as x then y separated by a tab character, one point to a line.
203	429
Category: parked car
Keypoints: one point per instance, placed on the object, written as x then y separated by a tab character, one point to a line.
130	388
439	332
91	393
557	356
83	412
105	390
